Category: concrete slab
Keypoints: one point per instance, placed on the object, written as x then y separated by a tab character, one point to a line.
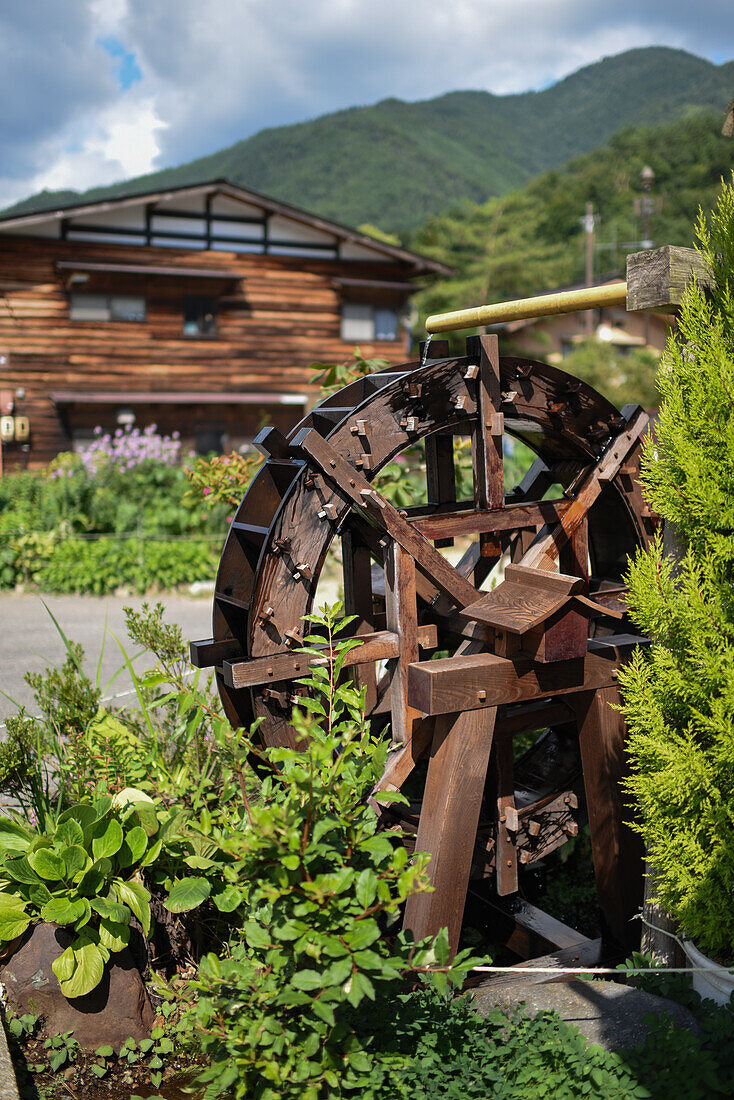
607	1013
8	1080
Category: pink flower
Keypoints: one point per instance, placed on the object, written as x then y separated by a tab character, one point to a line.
206	492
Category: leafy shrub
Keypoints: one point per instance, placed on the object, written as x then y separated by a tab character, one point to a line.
100	566
679	699
133	483
86	875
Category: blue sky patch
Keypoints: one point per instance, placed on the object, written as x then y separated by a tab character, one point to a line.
128	70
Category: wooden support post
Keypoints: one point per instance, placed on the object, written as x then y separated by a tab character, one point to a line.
507	821
440	474
447	830
487	434
573	558
400	605
357	571
617	851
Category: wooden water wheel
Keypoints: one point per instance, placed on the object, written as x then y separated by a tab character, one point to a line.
537	652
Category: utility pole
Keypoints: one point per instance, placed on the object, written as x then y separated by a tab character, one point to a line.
647	176
589	222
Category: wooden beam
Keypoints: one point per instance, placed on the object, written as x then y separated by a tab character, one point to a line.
507	821
657	278
535	930
440	474
484	680
357	573
350	482
447	829
616	850
286	665
545	549
401	608
512	517
209	652
488	428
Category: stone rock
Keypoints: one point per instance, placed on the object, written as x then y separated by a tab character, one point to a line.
118	1009
607	1013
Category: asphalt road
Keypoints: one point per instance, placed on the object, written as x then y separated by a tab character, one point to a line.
29	641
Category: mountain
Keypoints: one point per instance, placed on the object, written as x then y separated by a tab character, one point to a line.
532	240
394	164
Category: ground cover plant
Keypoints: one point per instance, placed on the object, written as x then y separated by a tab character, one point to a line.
679	699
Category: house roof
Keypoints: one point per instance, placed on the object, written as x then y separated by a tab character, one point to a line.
421	265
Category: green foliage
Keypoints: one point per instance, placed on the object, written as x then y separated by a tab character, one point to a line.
99	567
395	163
85	875
118	515
532	239
222	479
679	699
63	1050
334	376
623	378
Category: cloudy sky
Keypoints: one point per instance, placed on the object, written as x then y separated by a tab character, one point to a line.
94	91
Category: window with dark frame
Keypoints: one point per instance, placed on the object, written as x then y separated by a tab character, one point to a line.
362	321
86	306
199	316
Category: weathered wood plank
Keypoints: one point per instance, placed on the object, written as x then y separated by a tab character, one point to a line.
357	573
657	278
208	652
447	829
617	851
471	522
485	680
379	646
401	608
507	820
488	428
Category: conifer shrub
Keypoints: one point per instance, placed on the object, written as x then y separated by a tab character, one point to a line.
679	697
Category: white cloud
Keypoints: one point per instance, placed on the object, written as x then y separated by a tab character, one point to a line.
216	71
120	142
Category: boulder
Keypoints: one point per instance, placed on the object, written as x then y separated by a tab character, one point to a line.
606	1013
118	1009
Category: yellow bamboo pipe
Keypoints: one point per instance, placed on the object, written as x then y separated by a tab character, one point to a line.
566	301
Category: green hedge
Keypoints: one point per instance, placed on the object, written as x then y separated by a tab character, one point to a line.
99	566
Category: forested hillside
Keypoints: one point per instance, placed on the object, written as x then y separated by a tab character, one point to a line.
532	239
394	164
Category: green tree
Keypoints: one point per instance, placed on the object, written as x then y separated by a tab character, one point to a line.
679	697
623	378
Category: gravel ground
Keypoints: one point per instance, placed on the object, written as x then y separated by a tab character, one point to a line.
29	641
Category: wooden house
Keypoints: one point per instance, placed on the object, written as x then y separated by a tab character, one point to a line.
198	309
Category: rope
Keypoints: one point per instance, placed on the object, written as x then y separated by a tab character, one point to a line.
620	972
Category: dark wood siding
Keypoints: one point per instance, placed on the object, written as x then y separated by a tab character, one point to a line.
282	313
